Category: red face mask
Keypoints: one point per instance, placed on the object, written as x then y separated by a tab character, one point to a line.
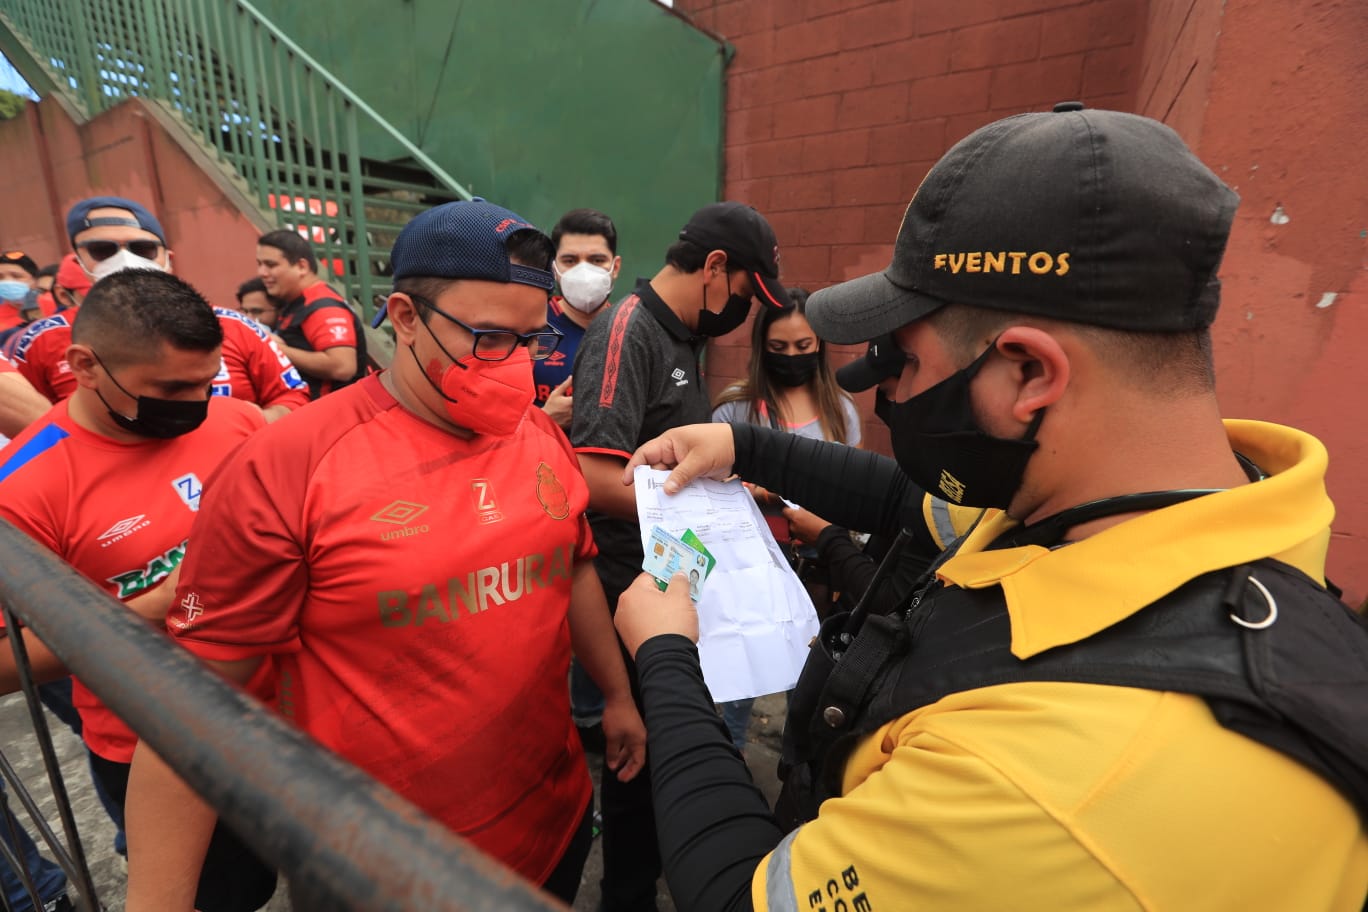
487	397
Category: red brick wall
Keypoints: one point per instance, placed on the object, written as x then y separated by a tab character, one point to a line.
48	162
836	109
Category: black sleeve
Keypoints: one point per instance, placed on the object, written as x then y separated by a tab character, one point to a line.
849	568
849	487
714	825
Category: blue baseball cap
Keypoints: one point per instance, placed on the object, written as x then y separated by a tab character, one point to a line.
78	218
466	239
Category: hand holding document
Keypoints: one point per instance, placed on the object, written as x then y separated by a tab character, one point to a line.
754	617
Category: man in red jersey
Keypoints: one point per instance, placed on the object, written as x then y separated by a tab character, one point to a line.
110	480
413	552
316	328
111	234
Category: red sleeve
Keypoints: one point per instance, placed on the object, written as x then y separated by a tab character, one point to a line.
41	358
25	504
244	578
330	327
274	379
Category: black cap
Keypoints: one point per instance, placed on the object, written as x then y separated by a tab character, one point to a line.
748	240
1094	217
20	259
883	359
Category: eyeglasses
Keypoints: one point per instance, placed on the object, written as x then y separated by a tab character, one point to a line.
498	344
102	250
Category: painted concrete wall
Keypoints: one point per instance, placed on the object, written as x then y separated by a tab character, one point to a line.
48	162
836	108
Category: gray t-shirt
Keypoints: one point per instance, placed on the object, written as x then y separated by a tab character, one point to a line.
738	412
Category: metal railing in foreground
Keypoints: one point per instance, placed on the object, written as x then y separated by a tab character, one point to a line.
344	841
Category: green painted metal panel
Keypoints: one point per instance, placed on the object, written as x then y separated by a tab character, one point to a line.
539	105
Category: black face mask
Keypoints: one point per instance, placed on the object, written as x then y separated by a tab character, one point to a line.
941	447
791	370
732	315
160	419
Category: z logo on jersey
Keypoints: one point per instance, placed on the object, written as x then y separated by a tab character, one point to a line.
132	582
189	489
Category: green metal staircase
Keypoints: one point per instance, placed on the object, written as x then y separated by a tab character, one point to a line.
280	124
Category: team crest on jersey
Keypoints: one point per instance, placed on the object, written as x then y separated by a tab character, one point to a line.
551	493
188	488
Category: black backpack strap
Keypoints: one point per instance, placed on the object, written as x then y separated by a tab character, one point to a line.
1277	658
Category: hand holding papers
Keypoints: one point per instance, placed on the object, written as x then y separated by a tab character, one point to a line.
754	617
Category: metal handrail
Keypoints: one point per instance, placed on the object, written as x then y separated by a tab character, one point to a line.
274	116
344	841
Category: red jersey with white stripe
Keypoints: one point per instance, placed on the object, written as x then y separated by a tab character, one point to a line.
413	588
120	513
253	369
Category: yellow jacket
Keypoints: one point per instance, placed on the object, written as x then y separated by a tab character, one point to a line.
1078	796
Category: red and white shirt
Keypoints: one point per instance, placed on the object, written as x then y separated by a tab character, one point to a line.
413	588
120	513
253	369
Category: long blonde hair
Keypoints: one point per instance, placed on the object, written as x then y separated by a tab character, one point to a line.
762	405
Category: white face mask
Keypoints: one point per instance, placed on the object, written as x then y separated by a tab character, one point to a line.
585	286
121	261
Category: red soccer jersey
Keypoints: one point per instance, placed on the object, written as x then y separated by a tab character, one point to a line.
324	327
120	513
413	587
253	368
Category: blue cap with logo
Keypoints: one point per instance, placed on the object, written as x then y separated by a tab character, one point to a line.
78	218
466	239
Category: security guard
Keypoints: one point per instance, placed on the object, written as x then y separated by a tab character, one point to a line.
1127	687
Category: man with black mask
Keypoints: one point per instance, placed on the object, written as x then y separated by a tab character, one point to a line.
1127	687
636	376
110	480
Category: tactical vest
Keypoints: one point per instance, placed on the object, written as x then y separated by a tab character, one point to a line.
1276	657
291	329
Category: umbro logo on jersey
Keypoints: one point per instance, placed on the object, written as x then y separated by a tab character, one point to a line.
677	375
122	529
401	513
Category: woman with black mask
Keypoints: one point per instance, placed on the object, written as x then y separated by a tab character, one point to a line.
790	387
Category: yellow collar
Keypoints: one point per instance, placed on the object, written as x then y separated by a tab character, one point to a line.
1068	594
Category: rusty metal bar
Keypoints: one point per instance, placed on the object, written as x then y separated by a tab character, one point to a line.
345	842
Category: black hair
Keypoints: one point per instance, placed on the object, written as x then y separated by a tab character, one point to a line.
48	271
756	390
126	311
253	286
585	221
292	245
688	257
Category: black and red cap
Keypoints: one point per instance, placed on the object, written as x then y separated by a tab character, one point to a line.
747	239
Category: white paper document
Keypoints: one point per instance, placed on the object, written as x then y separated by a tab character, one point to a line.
755	619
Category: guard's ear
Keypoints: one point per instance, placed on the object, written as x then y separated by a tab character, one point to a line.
1040	369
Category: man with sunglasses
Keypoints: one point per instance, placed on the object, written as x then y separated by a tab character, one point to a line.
110	480
413	553
110	234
